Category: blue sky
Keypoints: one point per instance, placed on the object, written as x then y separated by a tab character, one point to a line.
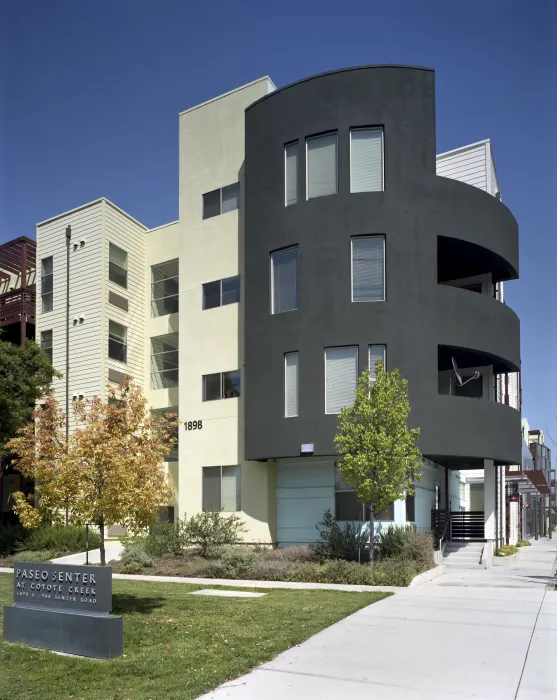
91	91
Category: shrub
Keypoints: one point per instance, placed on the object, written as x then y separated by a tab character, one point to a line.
506	550
420	550
42	555
406	543
134	558
235	562
165	539
290	554
11	539
394	572
60	539
393	541
346	542
270	570
211	530
339	571
523	543
390	572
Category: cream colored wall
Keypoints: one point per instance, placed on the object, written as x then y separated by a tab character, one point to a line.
212	156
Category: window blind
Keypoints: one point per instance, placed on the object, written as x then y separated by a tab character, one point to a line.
368	268
291	384
285	280
376	352
211	489
291	173
341	377
230	489
366	160
322	166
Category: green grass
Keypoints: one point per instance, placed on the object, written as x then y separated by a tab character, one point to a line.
175	645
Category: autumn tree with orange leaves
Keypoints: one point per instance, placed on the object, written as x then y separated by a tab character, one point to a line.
110	471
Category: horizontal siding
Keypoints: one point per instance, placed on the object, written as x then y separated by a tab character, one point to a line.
85	299
466	165
128	235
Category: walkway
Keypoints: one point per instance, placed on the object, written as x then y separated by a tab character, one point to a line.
489	635
112	551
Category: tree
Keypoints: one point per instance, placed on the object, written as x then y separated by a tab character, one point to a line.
25	378
109	473
378	454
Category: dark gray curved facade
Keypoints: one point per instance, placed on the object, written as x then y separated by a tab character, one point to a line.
435	230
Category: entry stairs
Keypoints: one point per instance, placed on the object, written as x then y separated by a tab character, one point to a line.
463	555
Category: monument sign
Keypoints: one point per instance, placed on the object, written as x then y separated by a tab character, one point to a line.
64	608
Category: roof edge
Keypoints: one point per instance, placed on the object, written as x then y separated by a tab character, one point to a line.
100	200
225	94
338	70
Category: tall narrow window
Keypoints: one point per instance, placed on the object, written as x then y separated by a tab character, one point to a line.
117	342
164	288
222	489
284	280
164	361
366	160
291	384
46	343
321	165
341	377
291	173
117	265
376	352
46	284
368	268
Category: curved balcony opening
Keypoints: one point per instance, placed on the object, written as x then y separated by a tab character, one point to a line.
468	262
463	372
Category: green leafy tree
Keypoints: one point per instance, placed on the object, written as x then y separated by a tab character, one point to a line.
25	378
378	455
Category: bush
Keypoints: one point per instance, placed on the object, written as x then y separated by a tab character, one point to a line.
209	531
290	554
406	543
235	562
390	572
271	570
165	539
42	555
506	550
523	543
346	542
11	539
394	572
134	558
60	539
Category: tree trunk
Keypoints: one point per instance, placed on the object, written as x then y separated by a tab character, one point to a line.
371	536
101	533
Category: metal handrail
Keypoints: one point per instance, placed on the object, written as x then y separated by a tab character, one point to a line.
447	525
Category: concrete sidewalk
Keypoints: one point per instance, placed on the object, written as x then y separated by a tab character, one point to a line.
489	635
112	552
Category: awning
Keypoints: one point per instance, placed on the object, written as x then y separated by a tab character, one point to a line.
530	481
539	480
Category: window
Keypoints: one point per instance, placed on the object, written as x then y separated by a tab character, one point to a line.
164	361
348	508
291	384
164	288
117	300
221	201
117	343
284	280
366	160
221	293
321	165
291	173
341	377
368	268
221	385
46	284
172	455
410	508
222	489
117	265
376	352
46	343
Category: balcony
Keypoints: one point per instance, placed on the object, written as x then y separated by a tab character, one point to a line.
17	305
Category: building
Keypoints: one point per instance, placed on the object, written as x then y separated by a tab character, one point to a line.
314	236
17	324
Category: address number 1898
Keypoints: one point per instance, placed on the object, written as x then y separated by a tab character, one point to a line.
193	425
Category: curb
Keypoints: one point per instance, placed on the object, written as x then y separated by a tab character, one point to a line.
427	576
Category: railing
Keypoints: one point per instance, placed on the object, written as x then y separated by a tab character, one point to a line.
15	304
468	525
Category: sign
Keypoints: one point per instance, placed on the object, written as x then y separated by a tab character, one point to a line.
193	425
84	588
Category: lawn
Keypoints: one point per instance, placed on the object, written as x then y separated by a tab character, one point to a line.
175	645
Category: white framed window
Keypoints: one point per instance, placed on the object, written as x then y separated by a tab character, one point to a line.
291	384
117	342
165	288
117	265
321	165
341	377
222	489
368	268
376	352
46	284
284	280
291	173
164	361
46	343
366	160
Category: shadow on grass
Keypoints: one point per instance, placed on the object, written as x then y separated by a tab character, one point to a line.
124	603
